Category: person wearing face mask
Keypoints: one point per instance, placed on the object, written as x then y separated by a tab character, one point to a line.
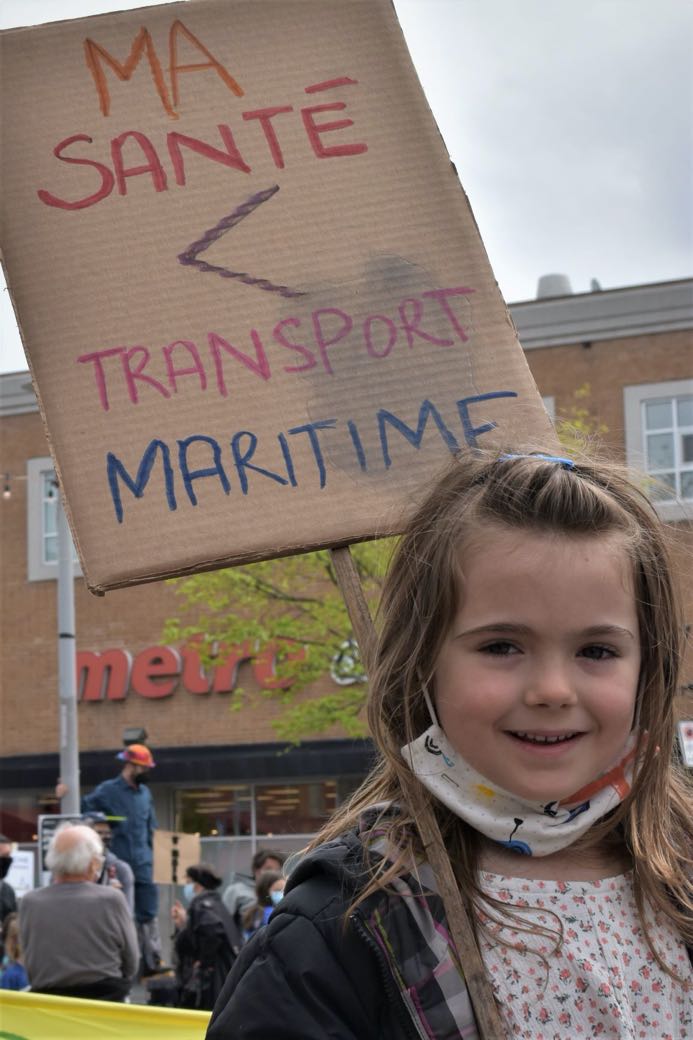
8	900
116	872
78	938
206	939
276	894
240	894
269	891
128	797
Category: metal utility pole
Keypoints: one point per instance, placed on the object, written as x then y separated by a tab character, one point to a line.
67	668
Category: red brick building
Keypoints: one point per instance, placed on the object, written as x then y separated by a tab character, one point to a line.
222	771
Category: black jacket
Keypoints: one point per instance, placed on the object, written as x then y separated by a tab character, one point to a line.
8	900
206	948
308	977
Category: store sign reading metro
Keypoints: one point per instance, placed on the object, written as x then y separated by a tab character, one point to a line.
256	307
157	671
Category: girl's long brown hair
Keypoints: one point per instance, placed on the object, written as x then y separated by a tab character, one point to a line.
420	598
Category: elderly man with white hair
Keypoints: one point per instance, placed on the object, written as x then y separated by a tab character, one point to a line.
78	938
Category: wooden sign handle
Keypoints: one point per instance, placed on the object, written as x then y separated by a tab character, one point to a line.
355	602
480	991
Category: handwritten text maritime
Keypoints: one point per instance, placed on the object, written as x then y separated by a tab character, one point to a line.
202	457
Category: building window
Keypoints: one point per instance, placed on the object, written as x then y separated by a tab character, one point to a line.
218	811
549	402
42	522
49	533
659	441
296	807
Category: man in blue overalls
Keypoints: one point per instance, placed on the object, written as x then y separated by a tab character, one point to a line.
128	796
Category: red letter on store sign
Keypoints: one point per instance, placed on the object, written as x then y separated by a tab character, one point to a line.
104	676
265	667
195	680
153	665
226	674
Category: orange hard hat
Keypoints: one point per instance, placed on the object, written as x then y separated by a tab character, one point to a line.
138	754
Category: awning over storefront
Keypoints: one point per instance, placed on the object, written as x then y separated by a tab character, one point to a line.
246	762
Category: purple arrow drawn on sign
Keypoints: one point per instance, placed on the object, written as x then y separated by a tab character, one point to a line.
189	257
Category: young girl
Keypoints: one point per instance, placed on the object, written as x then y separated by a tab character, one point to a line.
524	686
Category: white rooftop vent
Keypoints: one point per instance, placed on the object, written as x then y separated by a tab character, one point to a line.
553	285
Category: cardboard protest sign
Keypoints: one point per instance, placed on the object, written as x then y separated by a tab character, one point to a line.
257	310
174	852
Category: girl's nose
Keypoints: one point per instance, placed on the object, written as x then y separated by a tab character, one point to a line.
550	686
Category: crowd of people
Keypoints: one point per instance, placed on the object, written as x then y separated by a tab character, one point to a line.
94	929
77	936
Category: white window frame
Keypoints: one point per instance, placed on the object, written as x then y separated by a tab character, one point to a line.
549	402
633	399
37	568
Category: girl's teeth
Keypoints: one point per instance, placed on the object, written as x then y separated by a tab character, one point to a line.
543	740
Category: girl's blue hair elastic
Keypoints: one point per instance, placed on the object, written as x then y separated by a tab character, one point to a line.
558	459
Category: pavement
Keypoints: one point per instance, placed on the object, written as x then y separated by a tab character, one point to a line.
139	994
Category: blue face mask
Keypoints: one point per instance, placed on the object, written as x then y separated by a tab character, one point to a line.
188	892
276	897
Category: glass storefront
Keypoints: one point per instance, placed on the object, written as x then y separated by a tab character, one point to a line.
224	810
260	810
233	819
220	810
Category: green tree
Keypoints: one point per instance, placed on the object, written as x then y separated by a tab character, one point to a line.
577	427
293	604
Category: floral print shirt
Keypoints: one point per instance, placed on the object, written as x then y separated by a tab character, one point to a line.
604	981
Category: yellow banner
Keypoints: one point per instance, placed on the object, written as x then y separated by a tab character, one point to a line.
33	1016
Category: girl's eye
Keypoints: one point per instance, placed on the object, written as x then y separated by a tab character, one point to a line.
597	653
501	648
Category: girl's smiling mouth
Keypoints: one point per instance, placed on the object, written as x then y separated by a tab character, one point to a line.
545	740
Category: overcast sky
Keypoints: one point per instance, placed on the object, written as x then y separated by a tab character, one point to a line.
570	123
